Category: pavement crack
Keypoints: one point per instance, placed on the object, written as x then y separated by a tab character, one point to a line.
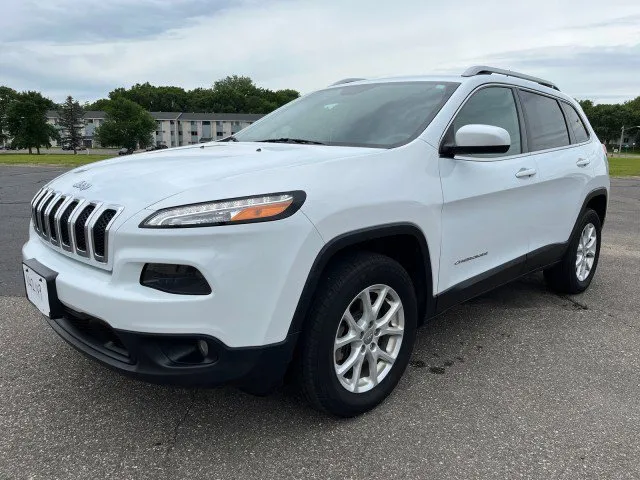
174	436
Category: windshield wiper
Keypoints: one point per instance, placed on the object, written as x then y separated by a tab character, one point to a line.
230	138
290	140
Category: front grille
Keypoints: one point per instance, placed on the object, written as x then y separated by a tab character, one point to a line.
77	226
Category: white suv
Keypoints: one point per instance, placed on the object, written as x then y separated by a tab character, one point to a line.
320	237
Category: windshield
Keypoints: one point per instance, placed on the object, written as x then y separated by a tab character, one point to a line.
381	115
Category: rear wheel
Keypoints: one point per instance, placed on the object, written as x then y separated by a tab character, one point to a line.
359	336
578	266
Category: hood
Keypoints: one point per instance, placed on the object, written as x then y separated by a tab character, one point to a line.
142	179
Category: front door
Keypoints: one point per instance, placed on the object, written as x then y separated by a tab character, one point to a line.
489	201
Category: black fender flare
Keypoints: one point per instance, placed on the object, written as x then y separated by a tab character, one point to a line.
598	192
348	239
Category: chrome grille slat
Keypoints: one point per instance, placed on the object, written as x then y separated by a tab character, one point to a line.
65	225
56	219
41	209
88	227
100	233
34	203
38	203
79	235
55	216
72	223
47	211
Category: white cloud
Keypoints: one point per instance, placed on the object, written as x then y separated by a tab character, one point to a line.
309	44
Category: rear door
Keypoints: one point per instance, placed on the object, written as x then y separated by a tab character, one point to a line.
488	200
561	147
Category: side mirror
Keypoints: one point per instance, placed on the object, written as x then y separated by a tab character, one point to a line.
475	138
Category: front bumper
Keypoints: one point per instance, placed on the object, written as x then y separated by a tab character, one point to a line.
256	273
167	358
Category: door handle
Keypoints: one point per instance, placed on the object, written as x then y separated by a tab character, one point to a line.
525	172
583	162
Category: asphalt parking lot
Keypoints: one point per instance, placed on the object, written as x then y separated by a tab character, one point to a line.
519	383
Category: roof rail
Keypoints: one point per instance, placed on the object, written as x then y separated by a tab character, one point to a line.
347	80
484	70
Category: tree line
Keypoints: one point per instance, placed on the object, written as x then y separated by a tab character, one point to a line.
23	115
233	94
608	119
128	124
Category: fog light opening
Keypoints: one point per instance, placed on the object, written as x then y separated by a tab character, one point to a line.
176	279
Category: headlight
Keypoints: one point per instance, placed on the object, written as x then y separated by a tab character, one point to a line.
260	208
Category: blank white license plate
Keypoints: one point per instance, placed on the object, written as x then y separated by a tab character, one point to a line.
37	291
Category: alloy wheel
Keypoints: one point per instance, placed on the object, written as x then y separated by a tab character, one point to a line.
586	254
368	339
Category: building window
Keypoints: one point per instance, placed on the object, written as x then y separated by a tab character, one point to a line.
219	134
193	124
194	133
172	122
206	123
88	121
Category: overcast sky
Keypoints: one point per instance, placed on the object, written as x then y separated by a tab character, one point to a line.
590	48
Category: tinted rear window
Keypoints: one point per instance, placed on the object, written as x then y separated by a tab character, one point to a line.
575	123
545	121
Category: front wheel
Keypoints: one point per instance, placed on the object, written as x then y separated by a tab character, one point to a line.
578	265
359	336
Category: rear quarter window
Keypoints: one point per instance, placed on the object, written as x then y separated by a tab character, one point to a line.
576	124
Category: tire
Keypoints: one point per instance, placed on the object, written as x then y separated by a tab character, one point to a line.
343	287
563	277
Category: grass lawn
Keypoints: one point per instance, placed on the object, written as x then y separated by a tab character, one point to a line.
624	166
50	159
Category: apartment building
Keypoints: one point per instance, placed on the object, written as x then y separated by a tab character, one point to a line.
173	129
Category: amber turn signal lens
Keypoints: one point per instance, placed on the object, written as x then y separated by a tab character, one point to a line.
261	211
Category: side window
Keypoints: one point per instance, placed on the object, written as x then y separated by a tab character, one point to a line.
491	106
575	123
545	121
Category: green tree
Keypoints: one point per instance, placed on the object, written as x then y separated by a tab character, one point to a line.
71	123
98	105
127	124
608	119
155	99
7	95
27	121
233	94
